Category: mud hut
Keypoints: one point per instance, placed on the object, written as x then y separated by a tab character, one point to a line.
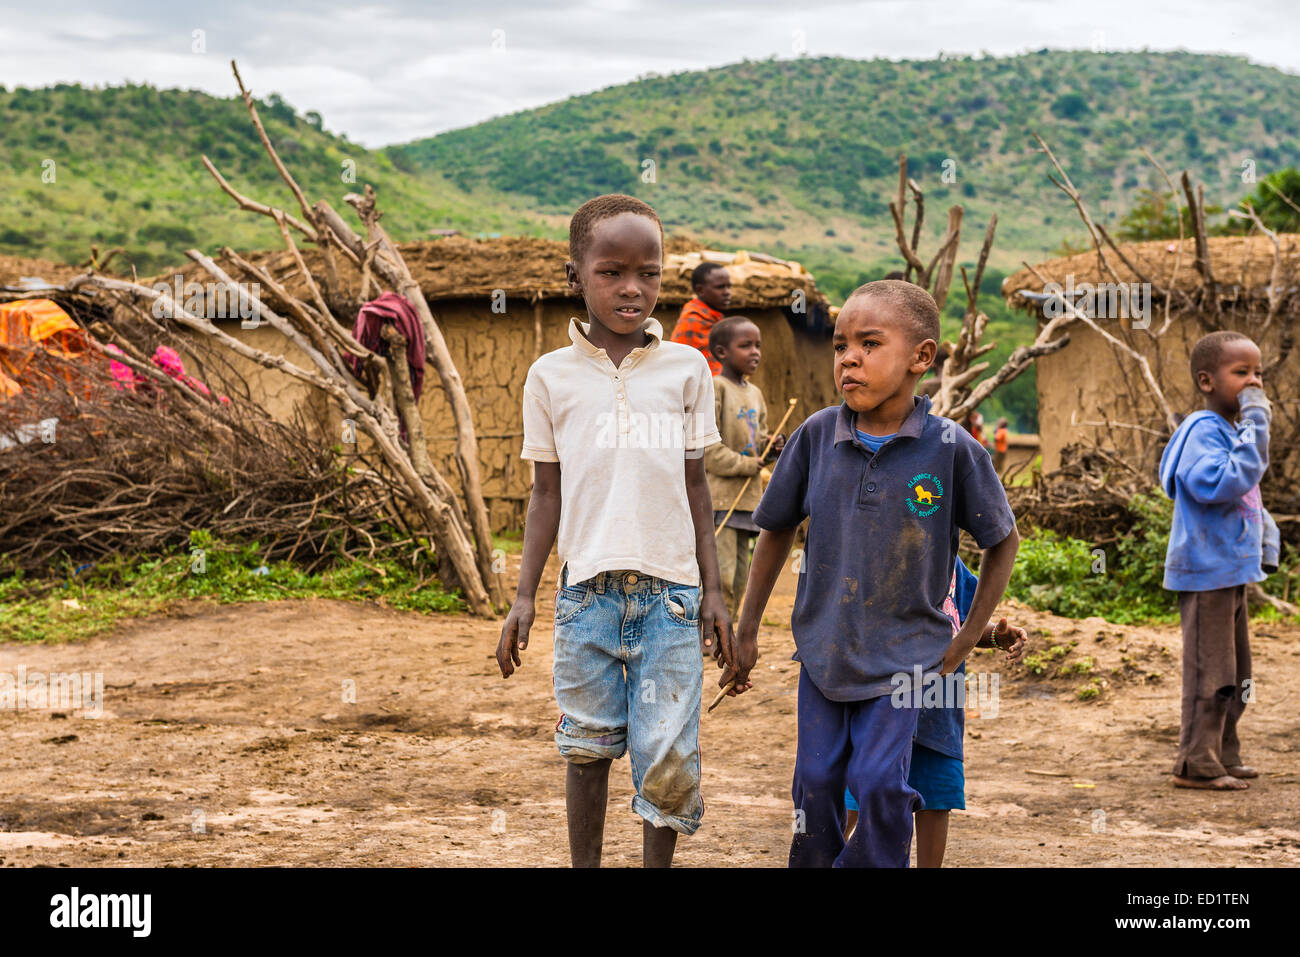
503	302
1092	393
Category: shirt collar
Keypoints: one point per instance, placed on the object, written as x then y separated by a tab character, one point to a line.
701	306
578	334
912	426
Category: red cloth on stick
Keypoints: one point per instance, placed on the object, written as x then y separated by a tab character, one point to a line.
391	308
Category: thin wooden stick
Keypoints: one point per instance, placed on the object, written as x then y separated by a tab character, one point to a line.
254	206
722	694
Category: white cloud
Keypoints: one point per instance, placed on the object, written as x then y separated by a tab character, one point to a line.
397	70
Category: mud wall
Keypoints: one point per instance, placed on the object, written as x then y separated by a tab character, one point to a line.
1084	383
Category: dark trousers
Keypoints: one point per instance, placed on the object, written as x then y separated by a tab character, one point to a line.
1216	664
868	746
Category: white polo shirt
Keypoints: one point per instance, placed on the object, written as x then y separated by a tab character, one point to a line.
621	436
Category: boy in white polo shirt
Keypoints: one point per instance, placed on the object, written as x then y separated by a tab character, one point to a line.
616	425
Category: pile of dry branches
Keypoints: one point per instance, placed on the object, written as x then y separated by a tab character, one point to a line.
1087	497
319	326
1270	321
95	470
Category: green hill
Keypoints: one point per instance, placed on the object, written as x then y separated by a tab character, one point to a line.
800	156
797	157
126	172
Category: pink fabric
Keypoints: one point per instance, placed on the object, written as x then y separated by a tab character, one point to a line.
950	604
124	376
390	307
169	360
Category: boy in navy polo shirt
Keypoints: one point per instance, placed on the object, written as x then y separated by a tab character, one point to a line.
881	548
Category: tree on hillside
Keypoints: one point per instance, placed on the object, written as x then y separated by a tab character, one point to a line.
1276	201
1155	216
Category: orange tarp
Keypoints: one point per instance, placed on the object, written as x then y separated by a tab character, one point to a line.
30	324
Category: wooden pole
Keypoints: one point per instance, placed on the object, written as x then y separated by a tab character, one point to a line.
537	326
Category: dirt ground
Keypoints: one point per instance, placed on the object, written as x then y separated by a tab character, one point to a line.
226	740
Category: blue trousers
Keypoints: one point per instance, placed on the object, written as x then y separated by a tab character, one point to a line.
868	746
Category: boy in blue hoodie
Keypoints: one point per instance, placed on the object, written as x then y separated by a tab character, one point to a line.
1211	469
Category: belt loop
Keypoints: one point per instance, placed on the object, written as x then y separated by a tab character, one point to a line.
564	575
599	583
657	584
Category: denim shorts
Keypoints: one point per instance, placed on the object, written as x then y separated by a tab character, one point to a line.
628	679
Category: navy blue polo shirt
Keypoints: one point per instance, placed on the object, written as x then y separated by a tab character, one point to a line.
882	542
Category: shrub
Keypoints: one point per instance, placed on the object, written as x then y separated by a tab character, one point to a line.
1124	584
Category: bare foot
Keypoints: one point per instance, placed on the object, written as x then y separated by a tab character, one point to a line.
1242	771
1224	782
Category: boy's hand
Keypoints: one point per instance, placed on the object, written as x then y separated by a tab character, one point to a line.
514	635
715	626
1008	638
777	445
745	657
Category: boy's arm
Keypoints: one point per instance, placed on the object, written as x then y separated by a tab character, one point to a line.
1224	474
995	573
721	460
714	620
770	552
540	528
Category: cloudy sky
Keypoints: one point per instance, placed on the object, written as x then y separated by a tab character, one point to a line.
389	71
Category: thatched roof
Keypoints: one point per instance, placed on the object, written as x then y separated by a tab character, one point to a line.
457	267
1241	265
14	269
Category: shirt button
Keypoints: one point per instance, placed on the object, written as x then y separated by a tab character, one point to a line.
871	486
875	464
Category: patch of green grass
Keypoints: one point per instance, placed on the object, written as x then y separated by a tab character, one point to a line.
1083	666
93	598
512	543
1122	583
1089	691
1035	663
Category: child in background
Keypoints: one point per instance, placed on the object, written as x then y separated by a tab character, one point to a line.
937	773
975	426
741	414
639	586
876	569
712	286
1000	436
1211	468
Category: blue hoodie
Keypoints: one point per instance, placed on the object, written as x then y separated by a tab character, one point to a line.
1211	469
